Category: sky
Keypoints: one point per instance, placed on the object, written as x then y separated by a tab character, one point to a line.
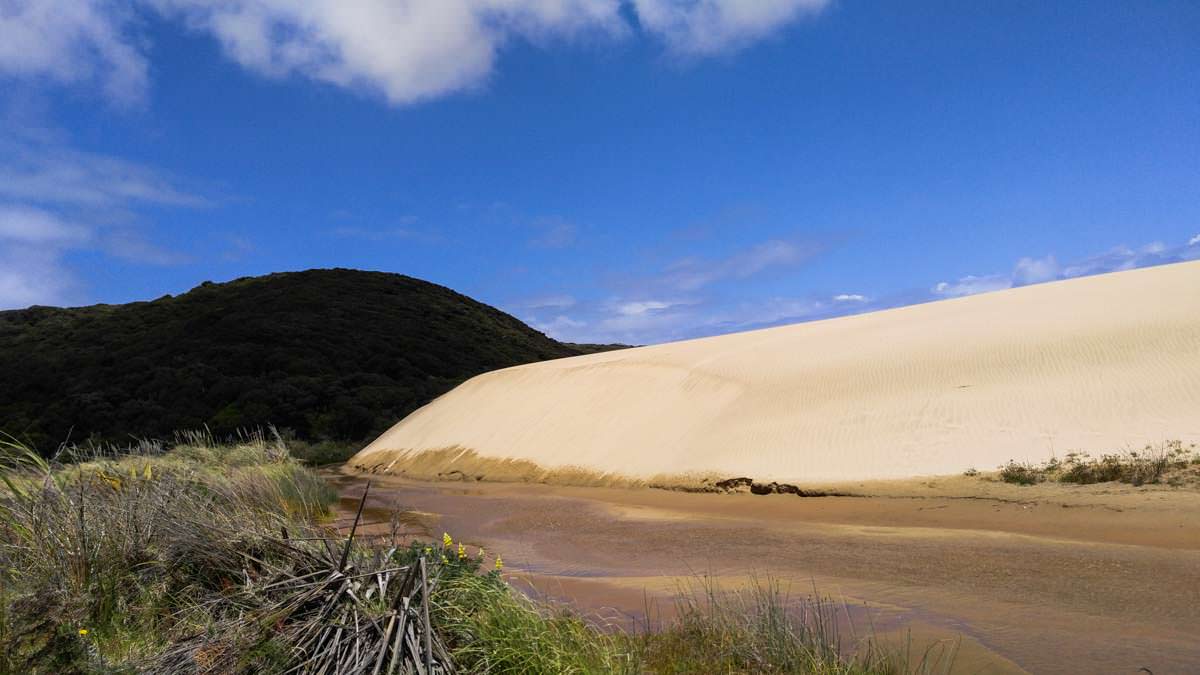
632	171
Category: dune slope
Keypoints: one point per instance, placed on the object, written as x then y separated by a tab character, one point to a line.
1093	364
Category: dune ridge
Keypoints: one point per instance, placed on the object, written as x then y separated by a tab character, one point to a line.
1092	364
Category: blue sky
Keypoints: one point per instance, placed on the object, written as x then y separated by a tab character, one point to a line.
607	170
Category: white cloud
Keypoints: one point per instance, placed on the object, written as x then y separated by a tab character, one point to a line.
970	285
1038	270
849	297
642	307
32	242
1035	270
33	275
1194	241
702	27
404	50
74	42
26	225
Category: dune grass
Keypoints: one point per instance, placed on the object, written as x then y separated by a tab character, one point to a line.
210	557
1171	462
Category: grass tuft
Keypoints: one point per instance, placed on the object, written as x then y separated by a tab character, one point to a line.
208	557
1170	462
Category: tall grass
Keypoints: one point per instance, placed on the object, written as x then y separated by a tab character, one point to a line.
108	560
207	557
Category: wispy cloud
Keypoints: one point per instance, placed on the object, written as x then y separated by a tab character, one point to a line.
51	173
643	307
55	199
560	327
1037	270
692	274
379	234
971	284
703	27
403	51
643	317
132	246
679	301
555	301
554	233
23	224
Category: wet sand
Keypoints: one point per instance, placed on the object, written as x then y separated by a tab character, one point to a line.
1095	579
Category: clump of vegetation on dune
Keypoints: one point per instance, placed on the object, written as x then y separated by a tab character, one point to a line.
221	558
1171	463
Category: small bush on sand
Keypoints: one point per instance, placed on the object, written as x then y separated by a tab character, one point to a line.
1021	473
1152	464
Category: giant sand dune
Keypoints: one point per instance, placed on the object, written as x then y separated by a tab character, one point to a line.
1093	364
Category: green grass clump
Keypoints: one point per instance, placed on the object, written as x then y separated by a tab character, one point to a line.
496	630
756	629
205	557
106	562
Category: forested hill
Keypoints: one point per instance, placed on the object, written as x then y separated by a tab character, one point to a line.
330	354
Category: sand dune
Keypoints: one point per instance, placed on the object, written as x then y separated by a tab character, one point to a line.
1094	364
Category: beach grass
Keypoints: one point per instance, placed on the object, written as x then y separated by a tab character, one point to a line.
1172	463
205	556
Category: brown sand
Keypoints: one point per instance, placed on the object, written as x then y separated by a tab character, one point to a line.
1094	364
1063	579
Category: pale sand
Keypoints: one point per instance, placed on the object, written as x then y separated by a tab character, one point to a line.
1094	364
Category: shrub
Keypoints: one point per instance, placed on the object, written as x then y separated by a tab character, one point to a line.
1021	473
1136	467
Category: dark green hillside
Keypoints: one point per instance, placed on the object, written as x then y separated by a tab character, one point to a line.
331	354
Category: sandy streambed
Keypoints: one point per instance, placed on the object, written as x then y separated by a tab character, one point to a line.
1097	580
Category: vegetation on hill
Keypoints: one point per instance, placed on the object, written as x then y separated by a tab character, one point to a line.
221	558
327	354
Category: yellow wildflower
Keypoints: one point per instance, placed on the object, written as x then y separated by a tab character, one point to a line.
462	551
428	550
499	564
83	631
446	540
445	560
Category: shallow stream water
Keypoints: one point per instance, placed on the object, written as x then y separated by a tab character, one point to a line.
1039	596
